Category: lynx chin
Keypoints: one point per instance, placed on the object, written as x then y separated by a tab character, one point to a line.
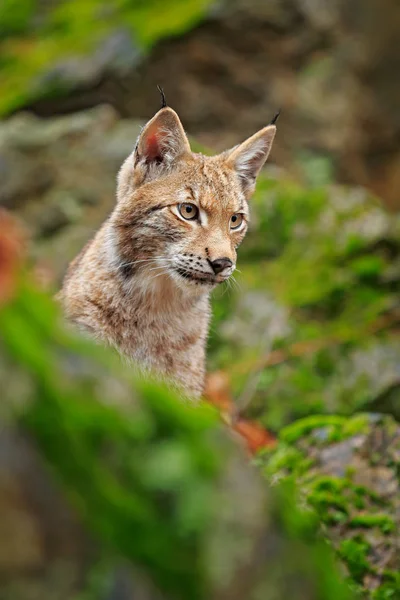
142	284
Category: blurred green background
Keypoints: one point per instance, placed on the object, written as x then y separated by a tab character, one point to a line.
98	473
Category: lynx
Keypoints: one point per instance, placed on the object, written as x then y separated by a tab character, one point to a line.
142	284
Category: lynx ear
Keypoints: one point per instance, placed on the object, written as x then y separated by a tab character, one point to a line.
161	141
248	158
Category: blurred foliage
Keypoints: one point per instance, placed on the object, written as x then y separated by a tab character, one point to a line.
127	498
316	301
35	36
149	474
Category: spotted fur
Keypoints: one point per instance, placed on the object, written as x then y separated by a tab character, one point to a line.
142	284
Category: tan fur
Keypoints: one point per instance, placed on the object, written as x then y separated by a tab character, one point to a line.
142	284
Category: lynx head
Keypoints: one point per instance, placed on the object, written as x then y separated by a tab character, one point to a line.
181	215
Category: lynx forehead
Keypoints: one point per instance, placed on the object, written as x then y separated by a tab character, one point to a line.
142	284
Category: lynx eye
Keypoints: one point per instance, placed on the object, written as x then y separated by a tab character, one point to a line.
236	221
188	211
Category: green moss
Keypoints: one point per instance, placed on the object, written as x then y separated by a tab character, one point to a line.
390	588
157	19
332	497
385	523
367	267
356	425
354	552
350	471
15	16
284	461
362	491
387	592
318	430
342	506
326	428
331	507
329	484
299	429
331	494
335	498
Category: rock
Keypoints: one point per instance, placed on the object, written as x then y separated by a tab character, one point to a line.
44	551
64	183
350	477
328	65
116	55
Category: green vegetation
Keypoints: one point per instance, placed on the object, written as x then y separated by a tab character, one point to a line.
36	36
127	501
313	319
320	358
361	521
317	298
148	474
355	553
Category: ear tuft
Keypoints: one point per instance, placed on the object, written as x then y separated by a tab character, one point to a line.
249	157
276	117
163	98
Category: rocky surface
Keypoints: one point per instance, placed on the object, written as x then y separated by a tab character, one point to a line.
348	471
59	176
44	551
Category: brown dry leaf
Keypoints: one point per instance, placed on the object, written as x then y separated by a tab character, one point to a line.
254	434
218	393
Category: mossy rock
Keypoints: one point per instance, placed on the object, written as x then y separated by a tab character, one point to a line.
348	472
48	49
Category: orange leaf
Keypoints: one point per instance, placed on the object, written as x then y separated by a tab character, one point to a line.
254	434
218	393
11	250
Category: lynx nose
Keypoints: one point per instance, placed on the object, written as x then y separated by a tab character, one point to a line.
220	264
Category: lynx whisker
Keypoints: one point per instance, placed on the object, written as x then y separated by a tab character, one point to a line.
235	284
142	260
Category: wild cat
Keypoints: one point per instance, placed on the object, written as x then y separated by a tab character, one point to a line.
142	284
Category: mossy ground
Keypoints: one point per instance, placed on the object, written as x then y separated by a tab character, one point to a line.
357	502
